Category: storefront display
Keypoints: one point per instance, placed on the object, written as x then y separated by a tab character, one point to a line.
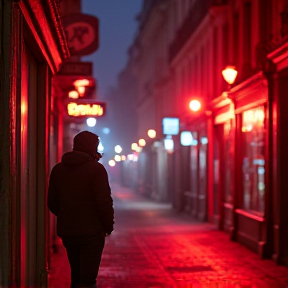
253	165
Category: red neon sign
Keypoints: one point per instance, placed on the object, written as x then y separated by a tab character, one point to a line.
90	109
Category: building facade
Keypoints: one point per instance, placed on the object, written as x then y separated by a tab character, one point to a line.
33	47
233	172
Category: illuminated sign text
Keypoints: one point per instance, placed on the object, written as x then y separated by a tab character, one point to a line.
85	109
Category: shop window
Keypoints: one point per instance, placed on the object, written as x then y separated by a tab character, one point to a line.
253	164
229	161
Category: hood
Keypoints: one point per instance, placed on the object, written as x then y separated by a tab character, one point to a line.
87	142
76	158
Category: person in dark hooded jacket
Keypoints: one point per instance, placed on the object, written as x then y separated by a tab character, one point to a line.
79	195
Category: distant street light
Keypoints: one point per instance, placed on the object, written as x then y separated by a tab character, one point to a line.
118	149
195	105
151	133
117	158
142	142
112	163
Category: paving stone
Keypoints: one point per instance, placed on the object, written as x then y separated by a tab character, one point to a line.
155	247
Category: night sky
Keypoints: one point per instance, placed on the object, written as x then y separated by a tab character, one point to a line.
118	25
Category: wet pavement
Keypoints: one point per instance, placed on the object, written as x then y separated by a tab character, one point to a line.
153	246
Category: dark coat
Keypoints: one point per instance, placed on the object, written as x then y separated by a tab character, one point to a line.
79	195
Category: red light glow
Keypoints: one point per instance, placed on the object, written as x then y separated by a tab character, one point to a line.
81	82
195	105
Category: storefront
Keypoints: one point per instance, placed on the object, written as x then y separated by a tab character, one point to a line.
252	193
195	163
33	47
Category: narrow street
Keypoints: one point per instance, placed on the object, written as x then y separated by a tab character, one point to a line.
154	247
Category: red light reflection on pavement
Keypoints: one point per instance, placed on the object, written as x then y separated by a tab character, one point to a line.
153	246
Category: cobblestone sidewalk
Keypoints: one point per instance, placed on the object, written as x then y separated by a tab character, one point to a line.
154	247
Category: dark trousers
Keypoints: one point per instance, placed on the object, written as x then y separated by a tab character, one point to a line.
84	255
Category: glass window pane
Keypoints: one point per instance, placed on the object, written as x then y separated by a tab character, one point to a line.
253	165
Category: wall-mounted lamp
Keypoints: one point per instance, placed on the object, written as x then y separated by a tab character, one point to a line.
80	85
73	94
195	105
229	74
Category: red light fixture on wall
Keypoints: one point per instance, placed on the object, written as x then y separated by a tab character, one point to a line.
80	86
195	105
230	74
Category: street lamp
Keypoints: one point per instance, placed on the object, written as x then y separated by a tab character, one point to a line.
118	149
142	142
230	74
151	133
195	105
112	163
134	146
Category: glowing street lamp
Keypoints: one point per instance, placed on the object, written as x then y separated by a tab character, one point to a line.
134	146
117	158
195	105
230	74
112	163
142	142
151	133
118	149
